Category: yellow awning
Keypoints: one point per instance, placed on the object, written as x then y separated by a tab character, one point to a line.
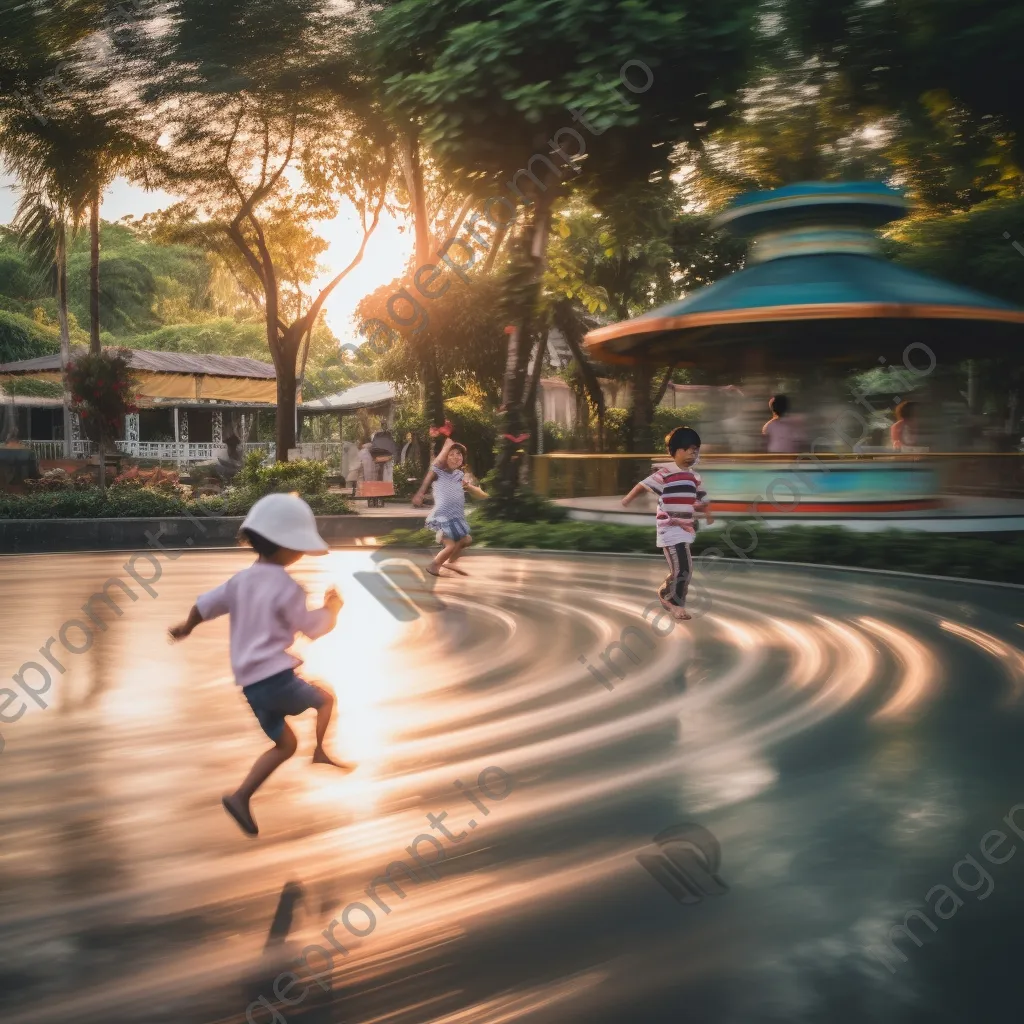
188	386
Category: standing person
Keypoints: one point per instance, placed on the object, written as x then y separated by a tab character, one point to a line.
267	608
904	431
448	515
680	494
784	432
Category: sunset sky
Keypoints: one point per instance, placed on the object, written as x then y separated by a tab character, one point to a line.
386	254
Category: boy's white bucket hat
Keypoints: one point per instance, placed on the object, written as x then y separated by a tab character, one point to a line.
287	521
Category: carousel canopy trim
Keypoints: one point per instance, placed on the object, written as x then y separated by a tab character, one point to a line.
819	287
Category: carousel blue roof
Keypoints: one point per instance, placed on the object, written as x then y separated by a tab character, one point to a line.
814	260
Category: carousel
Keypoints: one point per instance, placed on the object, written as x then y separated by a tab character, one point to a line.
816	303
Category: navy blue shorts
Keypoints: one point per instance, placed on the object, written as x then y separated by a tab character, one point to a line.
273	698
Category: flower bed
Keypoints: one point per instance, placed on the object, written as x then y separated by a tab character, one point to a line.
158	493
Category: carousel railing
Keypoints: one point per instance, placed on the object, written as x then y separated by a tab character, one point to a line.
588	475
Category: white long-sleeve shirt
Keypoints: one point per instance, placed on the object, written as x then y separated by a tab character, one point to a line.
267	608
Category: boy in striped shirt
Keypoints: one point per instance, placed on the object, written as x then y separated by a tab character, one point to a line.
680	494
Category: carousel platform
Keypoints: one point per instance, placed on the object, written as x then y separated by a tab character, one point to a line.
952	514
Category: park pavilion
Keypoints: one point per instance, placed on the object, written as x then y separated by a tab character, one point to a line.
188	405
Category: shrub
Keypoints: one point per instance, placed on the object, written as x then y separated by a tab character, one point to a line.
666	420
306	476
142	502
616	426
525	506
59	480
977	558
557	438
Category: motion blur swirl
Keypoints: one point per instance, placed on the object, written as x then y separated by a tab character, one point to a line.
838	733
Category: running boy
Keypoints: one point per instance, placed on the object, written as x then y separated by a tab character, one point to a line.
267	608
680	494
448	516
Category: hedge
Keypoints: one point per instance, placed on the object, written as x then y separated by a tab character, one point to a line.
918	552
143	503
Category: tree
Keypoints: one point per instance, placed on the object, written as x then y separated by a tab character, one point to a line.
492	94
260	125
895	55
103	391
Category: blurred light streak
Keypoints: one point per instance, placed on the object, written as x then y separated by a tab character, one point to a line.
919	665
1012	659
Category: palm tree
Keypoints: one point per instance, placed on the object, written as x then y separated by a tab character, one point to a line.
47	161
43	225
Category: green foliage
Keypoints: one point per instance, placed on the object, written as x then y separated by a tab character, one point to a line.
220	336
329	504
490	91
143	502
18	277
306	476
557	438
666	420
28	388
970	248
472	426
464	325
410	539
616	430
23	338
524	506
617	427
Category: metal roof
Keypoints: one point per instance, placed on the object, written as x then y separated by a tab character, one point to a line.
164	362
33	401
362	396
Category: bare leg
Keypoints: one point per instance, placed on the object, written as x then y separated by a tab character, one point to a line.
323	719
442	556
460	546
237	803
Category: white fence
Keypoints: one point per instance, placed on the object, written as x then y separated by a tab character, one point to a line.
179	453
47	449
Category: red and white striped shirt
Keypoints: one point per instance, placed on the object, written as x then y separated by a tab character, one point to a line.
678	491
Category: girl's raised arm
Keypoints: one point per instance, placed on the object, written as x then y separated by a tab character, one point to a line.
441	458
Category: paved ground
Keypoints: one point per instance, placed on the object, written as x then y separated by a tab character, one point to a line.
849	742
